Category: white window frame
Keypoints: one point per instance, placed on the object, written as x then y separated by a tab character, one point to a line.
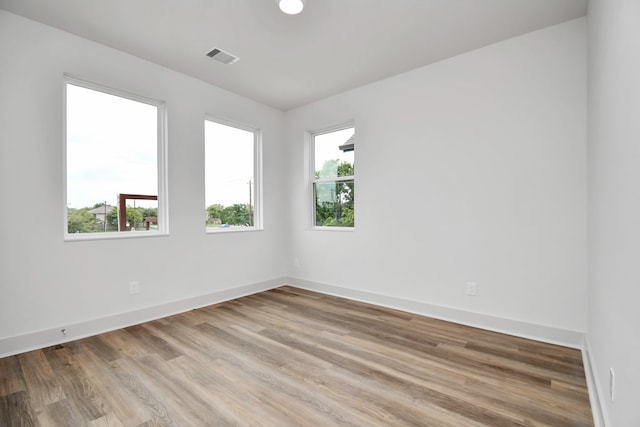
313	180
161	159
257	175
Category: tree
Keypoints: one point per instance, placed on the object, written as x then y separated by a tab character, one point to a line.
237	214
215	212
113	218
147	212
80	221
335	199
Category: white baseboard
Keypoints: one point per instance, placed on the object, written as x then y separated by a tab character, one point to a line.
48	337
596	393
552	335
52	336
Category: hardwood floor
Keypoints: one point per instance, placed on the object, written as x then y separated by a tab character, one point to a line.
290	357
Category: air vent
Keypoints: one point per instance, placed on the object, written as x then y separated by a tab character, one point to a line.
222	56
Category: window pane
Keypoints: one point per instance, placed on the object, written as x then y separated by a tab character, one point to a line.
330	159
112	149
334	203
333	178
229	177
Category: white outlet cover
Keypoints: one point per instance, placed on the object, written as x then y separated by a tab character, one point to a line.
134	287
472	289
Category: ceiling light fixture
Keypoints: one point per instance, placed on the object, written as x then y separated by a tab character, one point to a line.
291	7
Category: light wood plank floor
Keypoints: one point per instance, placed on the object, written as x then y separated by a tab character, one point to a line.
289	357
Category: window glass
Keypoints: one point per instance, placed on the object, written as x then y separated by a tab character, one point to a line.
333	178
112	176
230	178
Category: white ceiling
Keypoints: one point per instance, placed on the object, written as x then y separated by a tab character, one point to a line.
287	61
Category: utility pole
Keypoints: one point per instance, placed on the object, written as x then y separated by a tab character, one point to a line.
105	216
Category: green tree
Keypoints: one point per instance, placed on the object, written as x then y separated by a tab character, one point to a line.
215	211
147	212
134	216
80	221
335	200
113	218
237	214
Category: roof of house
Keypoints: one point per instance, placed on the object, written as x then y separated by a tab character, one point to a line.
101	209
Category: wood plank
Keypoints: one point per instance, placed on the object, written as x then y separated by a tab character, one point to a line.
74	382
115	398
11	377
16	410
108	420
42	383
64	412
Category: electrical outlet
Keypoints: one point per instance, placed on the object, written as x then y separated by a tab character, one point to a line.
612	384
472	289
134	287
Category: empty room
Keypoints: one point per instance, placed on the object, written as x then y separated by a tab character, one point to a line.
319	212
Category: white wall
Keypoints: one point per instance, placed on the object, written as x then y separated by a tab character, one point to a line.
614	203
45	282
471	169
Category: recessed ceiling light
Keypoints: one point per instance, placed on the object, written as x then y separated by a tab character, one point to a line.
291	7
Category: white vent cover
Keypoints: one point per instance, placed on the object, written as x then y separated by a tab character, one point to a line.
222	56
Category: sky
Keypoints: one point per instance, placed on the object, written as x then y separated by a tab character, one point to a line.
326	147
229	160
111	148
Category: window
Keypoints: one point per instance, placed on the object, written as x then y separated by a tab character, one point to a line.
114	154
333	177
232	199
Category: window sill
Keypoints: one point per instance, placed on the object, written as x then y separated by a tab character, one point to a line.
225	230
116	235
339	229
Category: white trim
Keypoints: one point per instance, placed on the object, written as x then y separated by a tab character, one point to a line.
76	81
548	334
328	228
84	237
596	395
329	129
234	229
163	169
161	161
258	218
230	122
52	336
333	179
